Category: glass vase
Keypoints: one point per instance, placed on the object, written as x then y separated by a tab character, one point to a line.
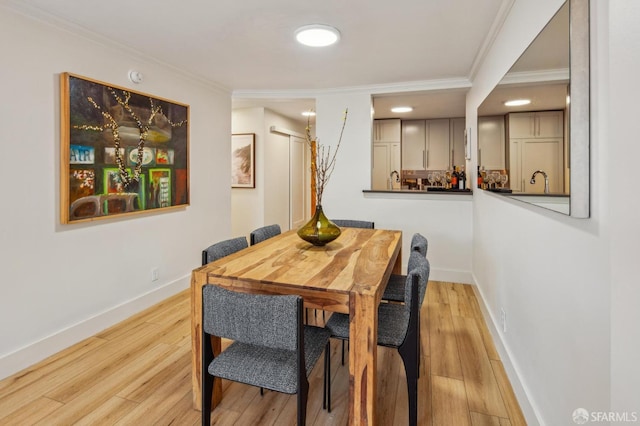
319	230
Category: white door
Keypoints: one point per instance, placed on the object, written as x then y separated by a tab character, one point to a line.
298	182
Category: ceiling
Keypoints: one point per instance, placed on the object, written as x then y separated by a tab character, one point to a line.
248	46
540	74
432	104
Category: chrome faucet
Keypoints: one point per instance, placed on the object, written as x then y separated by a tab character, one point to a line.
395	172
546	179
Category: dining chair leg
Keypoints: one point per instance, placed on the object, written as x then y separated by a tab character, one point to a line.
409	354
207	390
419	351
326	388
302	403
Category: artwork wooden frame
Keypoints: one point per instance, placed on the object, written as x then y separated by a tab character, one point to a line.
243	160
104	128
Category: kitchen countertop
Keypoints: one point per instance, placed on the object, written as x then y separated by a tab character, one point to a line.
419	191
529	194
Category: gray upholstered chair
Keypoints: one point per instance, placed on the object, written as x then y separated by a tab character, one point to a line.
348	223
223	248
395	286
268	336
398	327
264	233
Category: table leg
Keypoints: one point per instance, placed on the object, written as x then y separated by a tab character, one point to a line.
198	280
363	336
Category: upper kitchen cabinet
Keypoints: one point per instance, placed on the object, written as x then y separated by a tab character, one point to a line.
541	124
413	144
425	144
386	130
491	142
456	130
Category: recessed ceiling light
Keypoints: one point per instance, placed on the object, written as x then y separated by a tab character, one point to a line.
309	113
402	109
518	102
317	35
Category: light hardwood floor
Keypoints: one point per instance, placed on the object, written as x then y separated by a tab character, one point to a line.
137	373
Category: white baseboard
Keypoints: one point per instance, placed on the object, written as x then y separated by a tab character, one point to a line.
529	410
451	276
37	351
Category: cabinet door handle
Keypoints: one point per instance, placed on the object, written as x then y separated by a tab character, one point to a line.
427	160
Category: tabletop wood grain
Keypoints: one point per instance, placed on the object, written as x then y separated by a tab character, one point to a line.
347	275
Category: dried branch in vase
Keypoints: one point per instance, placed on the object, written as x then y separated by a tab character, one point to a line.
323	160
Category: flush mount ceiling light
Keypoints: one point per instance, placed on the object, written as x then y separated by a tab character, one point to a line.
317	35
309	114
518	102
402	109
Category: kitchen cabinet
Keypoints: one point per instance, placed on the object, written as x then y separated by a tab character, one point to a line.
438	143
536	142
541	124
425	144
456	131
491	142
386	159
413	144
387	130
529	155
386	152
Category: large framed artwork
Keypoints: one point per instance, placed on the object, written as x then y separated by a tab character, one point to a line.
113	141
243	160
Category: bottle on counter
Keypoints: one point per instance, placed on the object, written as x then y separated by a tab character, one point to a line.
462	179
454	178
479	178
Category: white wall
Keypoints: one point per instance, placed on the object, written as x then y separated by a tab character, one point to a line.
622	159
444	219
566	283
277	160
247	204
61	283
268	202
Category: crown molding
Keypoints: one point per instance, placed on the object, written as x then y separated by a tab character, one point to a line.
377	89
496	26
46	18
543	76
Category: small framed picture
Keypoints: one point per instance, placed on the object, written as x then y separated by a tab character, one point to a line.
243	160
467	143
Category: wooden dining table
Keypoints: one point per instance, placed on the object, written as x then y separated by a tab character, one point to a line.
347	275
